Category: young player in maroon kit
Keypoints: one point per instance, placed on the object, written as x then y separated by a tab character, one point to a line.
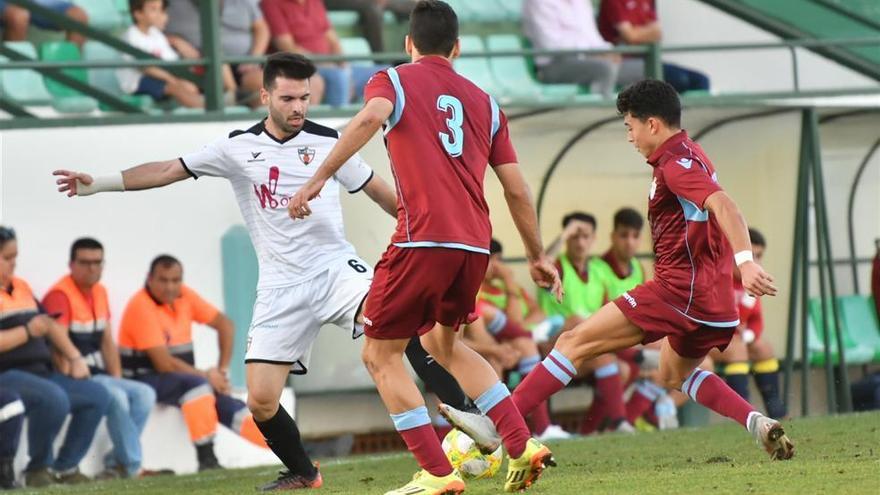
441	131
696	228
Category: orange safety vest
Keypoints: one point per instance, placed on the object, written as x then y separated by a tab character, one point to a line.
18	307
87	322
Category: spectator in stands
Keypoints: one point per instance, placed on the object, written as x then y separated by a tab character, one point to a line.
371	16
146	34
302	26
16	21
243	32
11	422
155	340
81	302
634	22
569	25
48	394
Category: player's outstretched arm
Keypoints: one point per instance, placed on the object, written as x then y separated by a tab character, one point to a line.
359	131
755	280
519	202
382	194
146	176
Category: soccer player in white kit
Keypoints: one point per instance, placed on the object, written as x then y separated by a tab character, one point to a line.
310	275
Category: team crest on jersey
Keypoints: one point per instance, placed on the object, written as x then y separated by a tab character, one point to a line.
306	154
653	190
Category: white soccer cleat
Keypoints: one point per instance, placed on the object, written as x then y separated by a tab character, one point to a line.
625	427
666	412
554	432
771	435
478	427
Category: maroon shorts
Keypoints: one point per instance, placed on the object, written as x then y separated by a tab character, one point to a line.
414	288
512	331
646	309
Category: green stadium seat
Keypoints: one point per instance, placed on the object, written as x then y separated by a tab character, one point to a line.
124	12
105	79
860	319
356	46
103	14
66	99
477	68
488	11
23	86
464	10
515	77
343	18
854	352
513	9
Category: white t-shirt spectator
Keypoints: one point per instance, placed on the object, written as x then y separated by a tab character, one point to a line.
561	25
153	42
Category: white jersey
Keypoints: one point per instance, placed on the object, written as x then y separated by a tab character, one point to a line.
265	172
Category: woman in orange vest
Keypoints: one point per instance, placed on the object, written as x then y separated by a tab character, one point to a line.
48	395
81	302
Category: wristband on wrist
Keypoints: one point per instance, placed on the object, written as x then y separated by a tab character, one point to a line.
104	183
743	256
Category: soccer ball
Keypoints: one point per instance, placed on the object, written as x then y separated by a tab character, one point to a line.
464	455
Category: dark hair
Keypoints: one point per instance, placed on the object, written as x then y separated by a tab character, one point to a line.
165	261
580	216
84	243
651	98
495	246
433	27
6	235
628	217
286	65
757	238
138	5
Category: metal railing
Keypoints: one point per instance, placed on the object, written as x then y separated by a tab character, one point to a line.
213	60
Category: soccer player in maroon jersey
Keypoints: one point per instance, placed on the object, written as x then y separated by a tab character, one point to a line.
696	228
441	131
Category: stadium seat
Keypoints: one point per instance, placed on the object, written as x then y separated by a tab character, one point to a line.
463	10
477	68
513	9
105	79
343	18
23	86
515	77
860	319
488	11
854	352
66	99
356	46
124	12
103	14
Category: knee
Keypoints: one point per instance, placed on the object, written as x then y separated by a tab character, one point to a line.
99	397
118	399
567	342
671	379
54	403
144	397
262	406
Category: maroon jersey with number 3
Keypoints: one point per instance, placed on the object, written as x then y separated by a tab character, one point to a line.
443	133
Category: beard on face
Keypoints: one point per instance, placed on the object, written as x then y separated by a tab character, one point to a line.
280	120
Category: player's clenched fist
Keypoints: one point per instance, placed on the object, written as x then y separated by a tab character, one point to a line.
544	274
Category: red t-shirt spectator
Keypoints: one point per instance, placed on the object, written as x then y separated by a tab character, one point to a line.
612	13
304	20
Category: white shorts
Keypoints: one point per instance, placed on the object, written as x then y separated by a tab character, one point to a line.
286	320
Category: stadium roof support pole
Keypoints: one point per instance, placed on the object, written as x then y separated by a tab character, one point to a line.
851	214
14	109
807	137
211	49
823	239
654	62
798	259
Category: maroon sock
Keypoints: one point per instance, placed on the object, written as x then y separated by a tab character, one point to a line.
535	389
610	392
423	443
592	418
540	418
510	425
707	389
637	405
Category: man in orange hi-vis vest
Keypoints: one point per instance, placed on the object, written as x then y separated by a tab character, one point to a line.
82	306
156	345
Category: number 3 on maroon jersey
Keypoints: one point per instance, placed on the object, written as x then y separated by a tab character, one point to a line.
454	142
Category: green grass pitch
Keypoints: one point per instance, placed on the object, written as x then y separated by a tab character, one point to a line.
838	454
